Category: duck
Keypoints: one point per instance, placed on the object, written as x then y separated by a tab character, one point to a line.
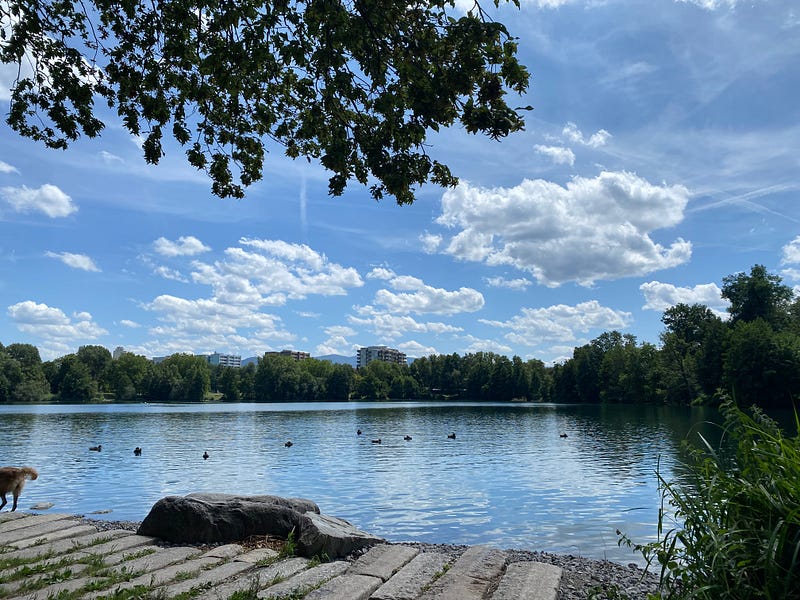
378	441
563	435
97	448
407	438
451	436
206	455
289	444
137	451
358	432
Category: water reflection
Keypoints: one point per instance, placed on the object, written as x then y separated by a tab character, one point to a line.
508	479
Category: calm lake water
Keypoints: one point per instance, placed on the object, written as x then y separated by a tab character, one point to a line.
508	479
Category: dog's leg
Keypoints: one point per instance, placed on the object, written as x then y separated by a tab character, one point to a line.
14	506
4	500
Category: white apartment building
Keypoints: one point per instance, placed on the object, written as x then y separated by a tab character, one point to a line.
369	353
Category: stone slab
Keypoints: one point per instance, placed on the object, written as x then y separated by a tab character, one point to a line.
65	545
18	531
258	555
259	579
127	542
53	536
471	576
346	587
31	520
408	582
207	578
306	580
11	516
529	581
383	561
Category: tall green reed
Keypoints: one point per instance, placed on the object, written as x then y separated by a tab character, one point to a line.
730	528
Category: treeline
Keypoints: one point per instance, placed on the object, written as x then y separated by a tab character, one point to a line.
754	355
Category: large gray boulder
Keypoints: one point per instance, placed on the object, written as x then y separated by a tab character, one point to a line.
210	518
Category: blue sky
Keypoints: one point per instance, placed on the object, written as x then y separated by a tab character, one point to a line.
663	153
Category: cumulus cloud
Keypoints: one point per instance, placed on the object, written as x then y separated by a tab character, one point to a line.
597	139
390	326
47	199
592	229
520	284
558	154
415	349
76	261
336	342
53	325
661	296
7	168
129	323
791	252
185	246
430	242
381	273
475	344
168	273
250	277
414	296
560	323
711	4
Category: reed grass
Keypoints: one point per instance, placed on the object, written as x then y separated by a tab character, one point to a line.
730	529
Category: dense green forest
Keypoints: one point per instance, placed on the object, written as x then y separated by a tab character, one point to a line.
754	355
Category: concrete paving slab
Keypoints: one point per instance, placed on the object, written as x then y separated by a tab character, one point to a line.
409	582
31	520
56	588
383	561
529	581
307	580
11	516
16	531
346	587
60	534
66	545
119	544
471	577
207	579
258	555
258	579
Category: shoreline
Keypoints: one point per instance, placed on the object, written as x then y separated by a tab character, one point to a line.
581	578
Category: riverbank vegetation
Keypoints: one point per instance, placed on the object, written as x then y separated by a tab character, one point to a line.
753	354
730	527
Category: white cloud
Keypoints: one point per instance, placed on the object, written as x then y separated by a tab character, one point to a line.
430	242
558	154
415	349
560	323
337	342
390	326
661	296
476	344
168	273
592	229
110	158
520	284
417	297
7	168
791	252
129	323
381	273
185	246
76	261
711	4
47	199
597	139
52	325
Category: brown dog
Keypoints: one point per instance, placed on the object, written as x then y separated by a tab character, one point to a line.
12	479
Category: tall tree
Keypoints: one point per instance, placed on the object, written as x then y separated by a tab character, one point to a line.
357	85
757	295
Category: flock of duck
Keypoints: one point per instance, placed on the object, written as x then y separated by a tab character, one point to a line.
138	451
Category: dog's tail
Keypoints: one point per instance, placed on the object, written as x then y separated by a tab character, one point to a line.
30	472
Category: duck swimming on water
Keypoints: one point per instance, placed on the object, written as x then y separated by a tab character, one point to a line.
97	448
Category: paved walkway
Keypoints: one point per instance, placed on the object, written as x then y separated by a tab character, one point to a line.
53	556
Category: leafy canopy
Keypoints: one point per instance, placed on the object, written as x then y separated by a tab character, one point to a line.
355	84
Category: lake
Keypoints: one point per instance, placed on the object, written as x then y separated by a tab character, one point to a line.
508	479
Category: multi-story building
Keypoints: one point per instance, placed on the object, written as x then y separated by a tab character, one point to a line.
118	351
226	360
295	354
369	353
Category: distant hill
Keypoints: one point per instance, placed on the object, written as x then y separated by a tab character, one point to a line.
339	359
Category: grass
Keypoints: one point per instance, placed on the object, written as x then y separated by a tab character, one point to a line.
736	530
289	548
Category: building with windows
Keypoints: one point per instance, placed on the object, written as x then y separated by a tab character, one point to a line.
369	353
295	354
118	351
226	360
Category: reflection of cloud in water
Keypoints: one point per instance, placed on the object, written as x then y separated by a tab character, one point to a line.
508	479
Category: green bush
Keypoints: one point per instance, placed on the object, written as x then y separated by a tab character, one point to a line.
736	515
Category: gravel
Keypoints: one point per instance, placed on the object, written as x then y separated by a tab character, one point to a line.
582	578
